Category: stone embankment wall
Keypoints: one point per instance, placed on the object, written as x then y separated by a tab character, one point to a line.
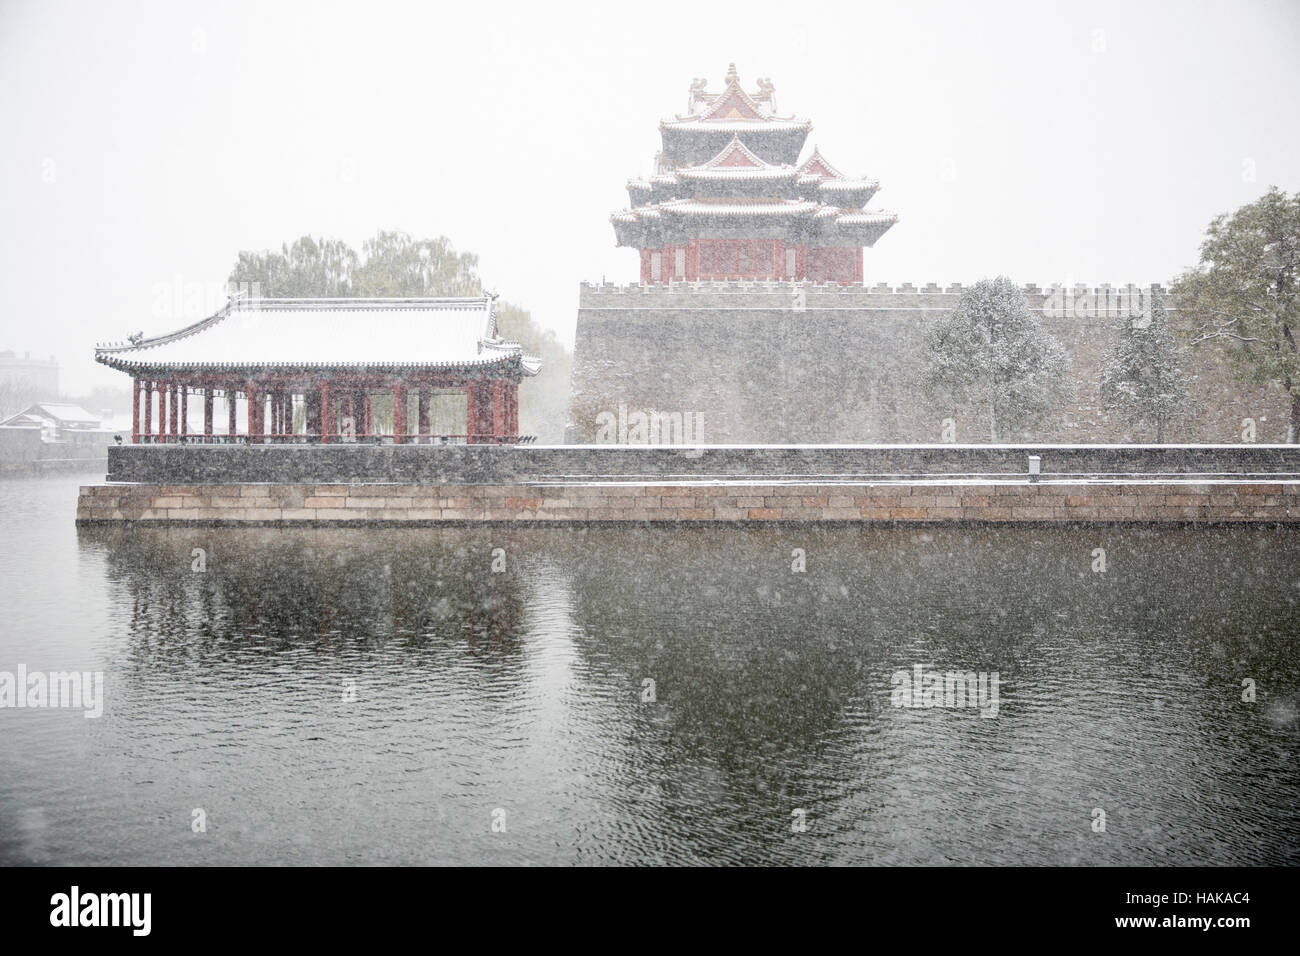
938	501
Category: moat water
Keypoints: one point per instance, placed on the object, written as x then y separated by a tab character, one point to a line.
631	696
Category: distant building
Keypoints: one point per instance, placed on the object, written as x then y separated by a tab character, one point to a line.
56	416
51	435
26	379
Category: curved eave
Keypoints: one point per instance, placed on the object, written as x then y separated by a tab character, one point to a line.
737	127
738	174
130	365
865	229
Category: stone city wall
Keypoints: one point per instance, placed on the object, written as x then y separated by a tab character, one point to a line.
783	362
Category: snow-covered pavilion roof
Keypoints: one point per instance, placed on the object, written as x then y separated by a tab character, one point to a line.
429	333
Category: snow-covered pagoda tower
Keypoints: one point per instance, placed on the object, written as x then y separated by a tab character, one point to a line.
729	198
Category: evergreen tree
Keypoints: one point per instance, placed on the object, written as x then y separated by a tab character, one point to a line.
1246	292
1144	378
992	355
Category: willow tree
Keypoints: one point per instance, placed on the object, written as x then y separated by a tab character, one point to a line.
1245	292
993	355
395	265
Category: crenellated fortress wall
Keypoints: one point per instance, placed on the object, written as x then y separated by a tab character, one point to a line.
787	362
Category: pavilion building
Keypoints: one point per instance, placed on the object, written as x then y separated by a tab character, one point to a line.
429	370
729	198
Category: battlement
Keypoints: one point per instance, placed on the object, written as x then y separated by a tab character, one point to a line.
786	294
788	286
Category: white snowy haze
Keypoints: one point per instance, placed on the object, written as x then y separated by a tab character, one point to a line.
146	143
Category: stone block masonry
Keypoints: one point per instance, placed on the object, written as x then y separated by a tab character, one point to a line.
1227	501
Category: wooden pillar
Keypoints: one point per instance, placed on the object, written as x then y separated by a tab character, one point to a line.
173	411
498	409
471	411
207	411
366	417
327	421
255	400
350	413
146	428
512	409
136	385
232	411
185	408
422	414
399	413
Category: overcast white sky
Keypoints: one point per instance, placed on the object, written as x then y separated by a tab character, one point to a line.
146	143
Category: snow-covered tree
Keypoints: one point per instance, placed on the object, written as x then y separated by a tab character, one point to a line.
992	355
1144	378
1246	292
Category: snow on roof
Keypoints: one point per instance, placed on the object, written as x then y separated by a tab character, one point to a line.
59	413
737	162
817	165
848	185
748	127
867	218
428	332
737	207
66	412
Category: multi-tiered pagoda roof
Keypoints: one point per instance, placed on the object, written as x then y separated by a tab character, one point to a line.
729	172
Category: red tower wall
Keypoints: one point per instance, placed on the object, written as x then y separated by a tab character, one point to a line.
710	259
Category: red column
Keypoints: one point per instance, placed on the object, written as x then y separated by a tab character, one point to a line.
207	412
173	410
326	413
254	413
399	413
471	410
232	411
135	411
512	409
365	413
422	414
498	408
185	408
147	427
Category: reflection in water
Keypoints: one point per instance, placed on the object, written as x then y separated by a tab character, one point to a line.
373	696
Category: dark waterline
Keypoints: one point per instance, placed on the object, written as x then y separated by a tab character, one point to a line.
522	691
